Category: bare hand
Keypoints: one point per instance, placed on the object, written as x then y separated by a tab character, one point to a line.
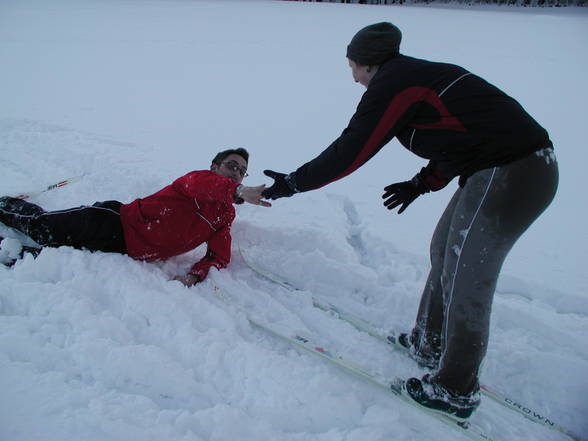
253	195
188	279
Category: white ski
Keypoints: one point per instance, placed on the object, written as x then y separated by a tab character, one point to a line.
364	326
393	386
50	187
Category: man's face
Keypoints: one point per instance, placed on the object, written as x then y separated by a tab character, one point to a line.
361	74
233	167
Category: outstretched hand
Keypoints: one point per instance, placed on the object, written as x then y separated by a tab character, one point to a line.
281	187
254	195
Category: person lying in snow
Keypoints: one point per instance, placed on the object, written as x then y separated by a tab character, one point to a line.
508	175
194	209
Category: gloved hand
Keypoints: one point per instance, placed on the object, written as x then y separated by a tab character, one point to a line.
404	193
283	186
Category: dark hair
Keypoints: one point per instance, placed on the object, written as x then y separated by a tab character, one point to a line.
221	156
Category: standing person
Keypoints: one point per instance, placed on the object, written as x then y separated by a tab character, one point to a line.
508	175
194	209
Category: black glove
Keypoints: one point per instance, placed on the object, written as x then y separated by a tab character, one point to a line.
404	193
284	185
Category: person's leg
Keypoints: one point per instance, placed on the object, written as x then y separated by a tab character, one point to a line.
496	208
104	230
20	215
426	335
96	227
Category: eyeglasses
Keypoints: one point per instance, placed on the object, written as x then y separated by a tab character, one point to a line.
235	167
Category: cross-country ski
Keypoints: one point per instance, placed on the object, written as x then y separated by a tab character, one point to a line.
394	341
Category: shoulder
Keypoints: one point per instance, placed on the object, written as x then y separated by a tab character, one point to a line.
404	76
410	70
203	176
195	174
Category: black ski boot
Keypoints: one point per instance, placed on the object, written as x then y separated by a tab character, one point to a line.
434	397
428	358
10	261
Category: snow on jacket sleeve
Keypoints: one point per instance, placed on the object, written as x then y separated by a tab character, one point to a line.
218	254
208	187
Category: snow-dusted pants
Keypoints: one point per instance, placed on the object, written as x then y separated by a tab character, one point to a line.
96	228
480	225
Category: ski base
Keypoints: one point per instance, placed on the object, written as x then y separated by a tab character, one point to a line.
393	387
391	340
49	188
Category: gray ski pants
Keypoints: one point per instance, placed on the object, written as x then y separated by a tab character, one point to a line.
480	225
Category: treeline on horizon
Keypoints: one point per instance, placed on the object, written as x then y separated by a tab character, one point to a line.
531	3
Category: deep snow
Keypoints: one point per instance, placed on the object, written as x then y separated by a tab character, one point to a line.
134	94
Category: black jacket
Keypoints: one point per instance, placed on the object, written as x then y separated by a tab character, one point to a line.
438	111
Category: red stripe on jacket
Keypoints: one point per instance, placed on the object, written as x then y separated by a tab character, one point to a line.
388	124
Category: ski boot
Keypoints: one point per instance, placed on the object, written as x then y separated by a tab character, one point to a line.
432	396
425	357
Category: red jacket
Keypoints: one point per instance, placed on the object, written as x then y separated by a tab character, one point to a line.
194	209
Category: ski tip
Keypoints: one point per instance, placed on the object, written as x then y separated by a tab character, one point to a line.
396	385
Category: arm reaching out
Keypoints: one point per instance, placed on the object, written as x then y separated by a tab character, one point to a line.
253	195
284	185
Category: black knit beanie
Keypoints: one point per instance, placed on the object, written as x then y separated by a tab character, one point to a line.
375	44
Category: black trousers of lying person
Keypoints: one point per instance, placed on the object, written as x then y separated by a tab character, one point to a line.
96	227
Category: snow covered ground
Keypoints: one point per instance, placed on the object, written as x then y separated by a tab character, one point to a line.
98	347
